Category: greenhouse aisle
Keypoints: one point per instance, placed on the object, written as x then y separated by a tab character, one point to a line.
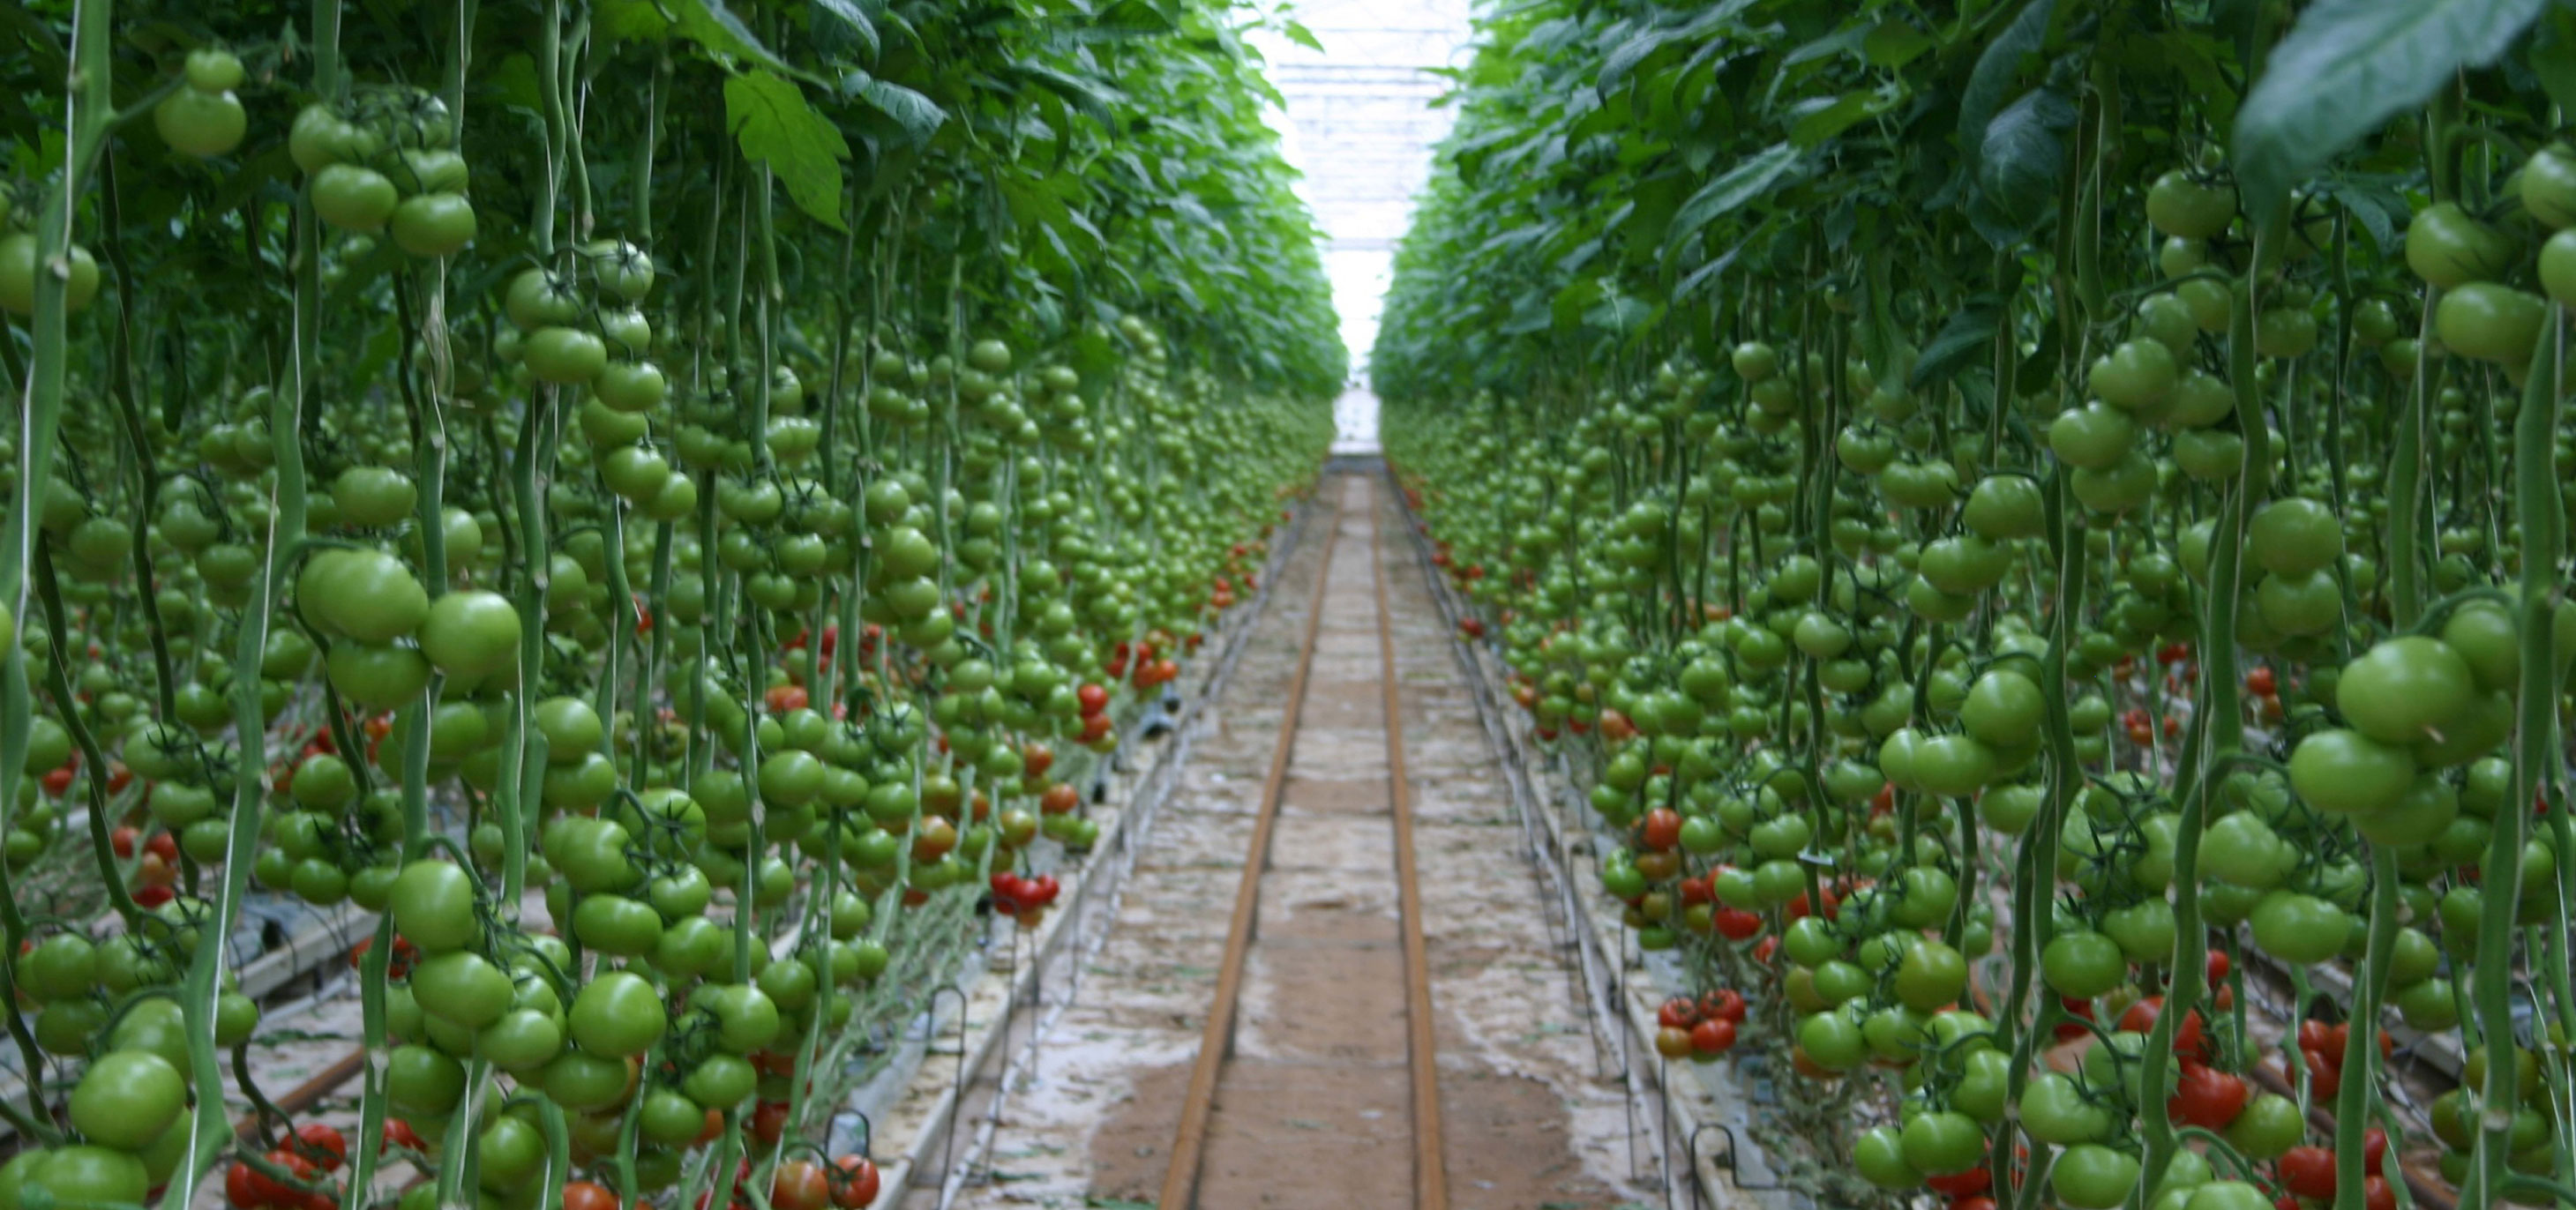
1313	1105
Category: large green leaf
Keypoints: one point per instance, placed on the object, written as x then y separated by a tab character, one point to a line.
771	119
845	23
1970	331
917	115
1998	70
2345	67
1751	177
2023	155
711	25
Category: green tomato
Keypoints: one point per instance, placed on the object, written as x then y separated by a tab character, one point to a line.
2090	1176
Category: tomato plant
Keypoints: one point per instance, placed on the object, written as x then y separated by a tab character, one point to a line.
2103	530
582	397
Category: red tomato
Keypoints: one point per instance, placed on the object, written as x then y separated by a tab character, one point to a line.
1680	1012
2308	1171
1662	829
769	1121
2261	682
2324	1077
799	1185
164	846
2140	1017
398	1133
122	840
2206	1097
588	1195
320	1143
854	1182
1725	1004
1737	924
1963	1184
241	1189
1715	1035
2377	1194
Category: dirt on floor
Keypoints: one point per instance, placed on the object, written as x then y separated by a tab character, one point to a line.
1313	1109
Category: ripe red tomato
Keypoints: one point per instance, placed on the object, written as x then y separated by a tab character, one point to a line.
2206	1097
1715	1035
854	1182
2325	1078
241	1190
398	1133
799	1185
1737	924
769	1121
2308	1171
2313	1034
588	1195
2140	1017
1680	1012
1724	1004
322	1144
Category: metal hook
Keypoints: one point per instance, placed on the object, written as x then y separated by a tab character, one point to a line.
957	1098
1726	1163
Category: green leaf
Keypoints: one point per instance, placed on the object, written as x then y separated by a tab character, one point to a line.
1894	44
2553	57
2345	67
1829	118
917	115
715	26
844	22
2023	156
629	20
1707	274
1998	70
1295	31
1828	46
1576	298
1135	16
1749	179
1971	331
1626	57
516	79
770	118
1086	97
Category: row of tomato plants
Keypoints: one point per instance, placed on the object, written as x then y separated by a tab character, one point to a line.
1996	583
663	504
